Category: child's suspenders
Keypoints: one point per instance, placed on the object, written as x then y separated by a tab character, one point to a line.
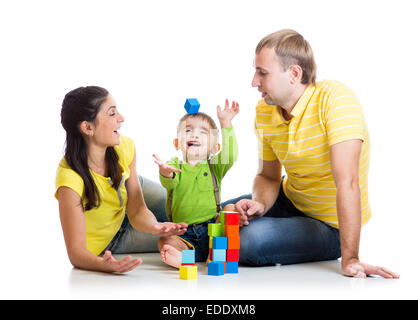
216	191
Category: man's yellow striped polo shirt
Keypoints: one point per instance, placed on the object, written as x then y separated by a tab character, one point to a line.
327	113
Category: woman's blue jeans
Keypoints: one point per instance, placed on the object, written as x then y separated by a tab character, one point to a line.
283	235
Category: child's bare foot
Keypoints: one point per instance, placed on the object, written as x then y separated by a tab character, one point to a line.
171	256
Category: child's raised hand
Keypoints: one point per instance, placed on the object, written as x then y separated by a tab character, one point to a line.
226	115
165	170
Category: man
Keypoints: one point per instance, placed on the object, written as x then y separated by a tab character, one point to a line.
317	132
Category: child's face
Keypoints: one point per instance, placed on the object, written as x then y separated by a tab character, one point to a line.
196	140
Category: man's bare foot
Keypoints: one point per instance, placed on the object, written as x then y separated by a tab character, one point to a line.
171	256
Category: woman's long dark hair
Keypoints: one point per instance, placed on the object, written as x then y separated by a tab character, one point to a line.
83	104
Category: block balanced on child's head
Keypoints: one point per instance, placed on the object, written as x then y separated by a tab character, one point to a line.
192	105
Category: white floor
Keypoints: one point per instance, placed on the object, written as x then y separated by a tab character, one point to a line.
154	280
34	265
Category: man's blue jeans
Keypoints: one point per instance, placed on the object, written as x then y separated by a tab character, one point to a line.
285	235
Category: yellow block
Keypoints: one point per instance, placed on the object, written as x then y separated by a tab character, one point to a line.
188	272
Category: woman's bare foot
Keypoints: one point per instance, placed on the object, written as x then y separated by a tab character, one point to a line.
171	256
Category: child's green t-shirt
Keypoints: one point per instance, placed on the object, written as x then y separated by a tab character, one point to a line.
193	191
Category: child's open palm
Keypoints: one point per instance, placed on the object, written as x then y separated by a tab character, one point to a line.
165	170
228	113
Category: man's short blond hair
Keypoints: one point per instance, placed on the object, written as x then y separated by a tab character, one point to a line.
292	49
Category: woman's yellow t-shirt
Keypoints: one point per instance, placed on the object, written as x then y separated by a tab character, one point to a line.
103	222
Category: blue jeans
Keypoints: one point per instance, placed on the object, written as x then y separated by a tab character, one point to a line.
197	235
128	239
285	235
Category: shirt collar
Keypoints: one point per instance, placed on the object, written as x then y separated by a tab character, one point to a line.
277	119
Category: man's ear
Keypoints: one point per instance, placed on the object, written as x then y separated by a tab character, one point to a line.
87	128
296	73
176	143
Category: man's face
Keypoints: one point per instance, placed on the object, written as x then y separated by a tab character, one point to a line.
270	79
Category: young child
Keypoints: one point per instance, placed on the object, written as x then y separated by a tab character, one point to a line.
191	183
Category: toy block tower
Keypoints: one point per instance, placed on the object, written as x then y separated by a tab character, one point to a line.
188	268
224	244
192	105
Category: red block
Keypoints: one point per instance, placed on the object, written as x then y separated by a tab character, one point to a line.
232	255
188	264
231	218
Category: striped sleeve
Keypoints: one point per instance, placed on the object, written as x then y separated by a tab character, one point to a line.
343	116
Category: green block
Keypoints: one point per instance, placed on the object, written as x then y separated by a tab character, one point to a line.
215	230
222	218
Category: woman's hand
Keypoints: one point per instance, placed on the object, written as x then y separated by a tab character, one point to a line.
124	265
165	229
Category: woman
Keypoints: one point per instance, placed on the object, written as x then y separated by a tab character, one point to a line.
101	205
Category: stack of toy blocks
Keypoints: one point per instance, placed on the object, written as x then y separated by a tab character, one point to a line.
188	268
224	244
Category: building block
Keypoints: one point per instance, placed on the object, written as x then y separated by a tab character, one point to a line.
188	264
188	256
231	267
232	255
233	243
216	268
219	255
223	217
215	230
210	242
220	243
192	106
231	218
232	231
188	272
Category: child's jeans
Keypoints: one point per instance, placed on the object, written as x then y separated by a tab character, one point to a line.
197	235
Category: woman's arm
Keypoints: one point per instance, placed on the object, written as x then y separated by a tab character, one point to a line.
140	217
74	229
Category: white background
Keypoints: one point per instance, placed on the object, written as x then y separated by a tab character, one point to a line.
151	56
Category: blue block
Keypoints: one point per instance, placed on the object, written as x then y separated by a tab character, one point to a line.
187	256
220	243
218	255
216	268
232	267
192	105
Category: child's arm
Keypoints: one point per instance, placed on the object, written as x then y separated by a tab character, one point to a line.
224	160
168	178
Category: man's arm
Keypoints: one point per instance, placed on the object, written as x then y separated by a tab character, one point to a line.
345	158
266	188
